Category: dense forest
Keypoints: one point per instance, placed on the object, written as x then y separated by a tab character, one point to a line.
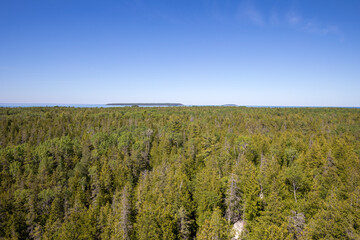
179	173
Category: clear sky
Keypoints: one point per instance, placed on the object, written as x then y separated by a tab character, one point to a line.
245	52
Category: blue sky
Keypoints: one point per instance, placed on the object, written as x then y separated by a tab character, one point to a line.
246	52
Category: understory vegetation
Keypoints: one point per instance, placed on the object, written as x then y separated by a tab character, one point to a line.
179	173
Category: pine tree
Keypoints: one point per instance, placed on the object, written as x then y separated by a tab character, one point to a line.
233	200
215	228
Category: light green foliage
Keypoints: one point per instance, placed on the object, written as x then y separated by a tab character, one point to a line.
207	193
214	228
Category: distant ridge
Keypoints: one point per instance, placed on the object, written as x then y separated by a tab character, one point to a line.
229	105
147	104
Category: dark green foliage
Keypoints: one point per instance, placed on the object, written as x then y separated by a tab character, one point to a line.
179	173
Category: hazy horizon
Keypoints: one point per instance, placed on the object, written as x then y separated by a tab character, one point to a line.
248	53
185	105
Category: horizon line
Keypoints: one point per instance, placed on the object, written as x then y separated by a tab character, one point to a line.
161	104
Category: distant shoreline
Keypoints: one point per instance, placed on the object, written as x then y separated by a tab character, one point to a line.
109	105
146	104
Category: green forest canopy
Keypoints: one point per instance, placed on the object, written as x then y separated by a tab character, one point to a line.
179	173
